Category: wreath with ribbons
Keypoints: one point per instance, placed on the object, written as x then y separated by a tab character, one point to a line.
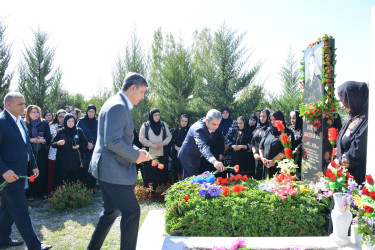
327	106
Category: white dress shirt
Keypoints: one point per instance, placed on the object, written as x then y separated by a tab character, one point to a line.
17	120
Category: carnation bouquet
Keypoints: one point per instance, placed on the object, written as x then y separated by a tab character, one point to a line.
337	177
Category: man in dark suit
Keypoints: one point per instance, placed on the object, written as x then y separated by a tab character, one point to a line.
15	157
197	143
313	90
114	163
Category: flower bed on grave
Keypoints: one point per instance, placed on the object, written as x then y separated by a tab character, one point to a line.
240	206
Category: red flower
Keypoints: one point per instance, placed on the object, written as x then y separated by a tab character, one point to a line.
225	190
225	182
237	168
339	173
154	163
186	198
328	172
332	135
334	151
369	209
280	125
332	177
161	166
244	178
237	177
31	179
231	178
219	178
369	179
284	138
333	164
81	166
237	188
365	191
372	195
288	152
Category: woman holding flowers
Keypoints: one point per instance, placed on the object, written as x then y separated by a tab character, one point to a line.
352	138
271	148
296	126
68	141
155	135
40	138
255	141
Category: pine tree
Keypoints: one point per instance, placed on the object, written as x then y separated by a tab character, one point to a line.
172	76
5	56
134	60
222	65
38	82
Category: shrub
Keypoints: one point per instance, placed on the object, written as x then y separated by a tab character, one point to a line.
250	212
142	193
160	191
70	195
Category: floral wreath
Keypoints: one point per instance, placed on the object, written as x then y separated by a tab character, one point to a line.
327	106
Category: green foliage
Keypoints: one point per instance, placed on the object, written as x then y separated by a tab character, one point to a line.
37	81
172	77
70	195
222	66
250	213
251	99
5	56
100	98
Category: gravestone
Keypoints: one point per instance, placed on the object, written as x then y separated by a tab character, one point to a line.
315	134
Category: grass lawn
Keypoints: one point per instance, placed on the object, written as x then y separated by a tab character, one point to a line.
73	229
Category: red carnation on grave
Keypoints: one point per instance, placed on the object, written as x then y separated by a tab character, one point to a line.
369	209
372	195
280	125
225	190
333	133
230	179
339	173
328	172
31	179
244	178
369	179
225	182
284	138
237	168
186	198
237	188
288	153
237	177
219	178
154	163
365	191
161	166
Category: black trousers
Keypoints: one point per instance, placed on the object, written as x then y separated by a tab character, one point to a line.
117	199
14	209
39	186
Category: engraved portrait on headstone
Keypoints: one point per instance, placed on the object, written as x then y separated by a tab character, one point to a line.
313	74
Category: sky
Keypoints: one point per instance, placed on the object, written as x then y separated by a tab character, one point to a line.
88	36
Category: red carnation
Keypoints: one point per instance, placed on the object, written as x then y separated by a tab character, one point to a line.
280	125
339	173
365	191
369	179
369	209
154	163
81	166
284	138
225	190
332	135
186	198
288	152
237	168
334	150
237	177
333	177
328	172
161	166
244	178
230	179
237	188
372	195
333	164
219	178
31	179
225	182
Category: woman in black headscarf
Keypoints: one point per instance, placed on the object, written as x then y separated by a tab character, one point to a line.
155	136
89	126
257	138
352	139
178	137
296	126
68	141
270	148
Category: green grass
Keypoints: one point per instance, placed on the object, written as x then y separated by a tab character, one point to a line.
72	229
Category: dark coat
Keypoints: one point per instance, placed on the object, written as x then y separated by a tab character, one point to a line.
42	127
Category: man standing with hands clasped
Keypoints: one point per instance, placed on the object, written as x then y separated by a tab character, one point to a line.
15	157
114	163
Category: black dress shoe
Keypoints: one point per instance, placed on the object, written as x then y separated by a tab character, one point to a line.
45	247
12	243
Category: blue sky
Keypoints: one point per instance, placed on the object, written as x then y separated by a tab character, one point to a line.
89	35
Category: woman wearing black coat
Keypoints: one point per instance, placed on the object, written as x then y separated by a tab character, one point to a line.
257	138
67	141
40	139
296	126
270	148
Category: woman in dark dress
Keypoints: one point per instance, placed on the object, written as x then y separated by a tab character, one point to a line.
271	148
296	126
257	138
89	126
352	138
239	146
178	137
67	141
40	139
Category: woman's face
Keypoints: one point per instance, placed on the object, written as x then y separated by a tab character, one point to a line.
263	117
60	118
343	107
91	113
293	119
74	113
240	124
156	117
34	114
48	117
252	122
184	122
225	114
273	120
70	123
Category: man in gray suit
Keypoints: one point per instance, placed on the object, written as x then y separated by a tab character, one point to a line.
114	163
